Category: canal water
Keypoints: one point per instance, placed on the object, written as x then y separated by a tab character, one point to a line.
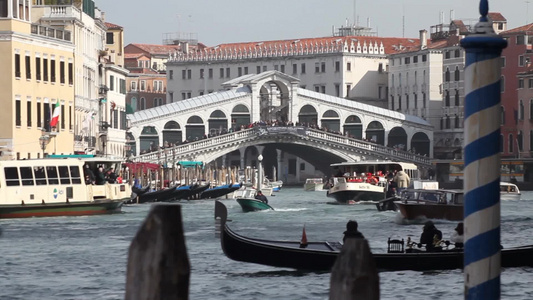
86	257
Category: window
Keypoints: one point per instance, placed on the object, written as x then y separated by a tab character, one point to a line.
302	67
530	83
447	75
457	74
447	54
17	112
407	60
189	74
38	68
521	110
457	98
17	65
392	102
323	67
521	61
171	96
294	68
531	112
210	73
337	90
51	173
39	114
323	88
245	70
520	40
457	122
28	67
447	98
109	38
348	89
28	113
337	66
183	74
521	83
45	69
348	66
407	101
171	74
317	88
511	143
258	69
416	100
122	86
282	68
70	117
457	53
40	176
276	67
239	71
111	83
64	175
502	62
134	85
52	70
75	175
12	176
502	84
221	72
62	72
143	85
3	8
62	116
26	176
502	115
265	68
70	74
227	72
448	122
317	67
424	57
415	59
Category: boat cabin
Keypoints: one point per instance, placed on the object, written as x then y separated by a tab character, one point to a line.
359	171
455	197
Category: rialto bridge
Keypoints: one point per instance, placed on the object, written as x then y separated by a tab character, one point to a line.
294	129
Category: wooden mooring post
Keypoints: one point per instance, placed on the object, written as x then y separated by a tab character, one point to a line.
354	275
158	264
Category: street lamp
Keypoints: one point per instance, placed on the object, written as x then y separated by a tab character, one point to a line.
44	140
259	173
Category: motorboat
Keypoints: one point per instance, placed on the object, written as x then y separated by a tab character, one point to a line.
431	204
509	191
249	204
314	184
351	184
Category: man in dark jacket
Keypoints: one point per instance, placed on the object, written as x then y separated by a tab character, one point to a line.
261	197
430	235
351	231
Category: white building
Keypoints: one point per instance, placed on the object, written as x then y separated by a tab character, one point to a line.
352	67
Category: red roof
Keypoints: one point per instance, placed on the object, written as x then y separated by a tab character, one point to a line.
521	29
496	17
112	26
391	45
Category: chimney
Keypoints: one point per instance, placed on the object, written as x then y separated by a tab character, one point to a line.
423	39
184	47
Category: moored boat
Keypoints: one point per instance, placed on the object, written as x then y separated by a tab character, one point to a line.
431	204
509	191
249	204
56	187
219	191
321	256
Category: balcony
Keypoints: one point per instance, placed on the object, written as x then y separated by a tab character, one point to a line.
50	32
61	12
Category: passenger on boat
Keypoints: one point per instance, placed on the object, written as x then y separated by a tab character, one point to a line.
429	235
111	176
89	175
261	196
402	180
371	179
100	176
351	231
458	236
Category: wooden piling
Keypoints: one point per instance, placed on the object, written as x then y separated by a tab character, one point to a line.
158	264
354	275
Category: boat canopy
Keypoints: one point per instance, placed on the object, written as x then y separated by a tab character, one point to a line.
190	164
373	166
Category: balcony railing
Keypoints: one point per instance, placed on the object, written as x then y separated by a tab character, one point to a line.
50	32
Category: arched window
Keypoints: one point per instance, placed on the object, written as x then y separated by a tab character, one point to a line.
510	143
530	109
143	103
457	124
502	115
448	122
447	99
501	143
521	110
520	141
447	75
457	98
457	74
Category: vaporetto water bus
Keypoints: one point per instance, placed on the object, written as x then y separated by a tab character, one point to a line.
350	185
56	187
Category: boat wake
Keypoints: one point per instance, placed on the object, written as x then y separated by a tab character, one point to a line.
292	209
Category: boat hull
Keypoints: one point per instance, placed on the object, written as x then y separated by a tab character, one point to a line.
347	196
309	187
411	211
81	208
248	205
509	196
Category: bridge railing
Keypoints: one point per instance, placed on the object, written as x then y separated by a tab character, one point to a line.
233	137
391	152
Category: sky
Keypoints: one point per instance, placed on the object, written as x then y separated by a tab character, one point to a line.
215	22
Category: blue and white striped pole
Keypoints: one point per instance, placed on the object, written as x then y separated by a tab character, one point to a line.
482	160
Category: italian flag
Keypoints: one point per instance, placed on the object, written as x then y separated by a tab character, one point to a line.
55	115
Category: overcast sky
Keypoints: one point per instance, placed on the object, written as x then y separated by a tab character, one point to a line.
227	21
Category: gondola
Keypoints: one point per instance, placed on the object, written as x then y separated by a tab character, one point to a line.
139	191
196	190
321	256
219	191
155	196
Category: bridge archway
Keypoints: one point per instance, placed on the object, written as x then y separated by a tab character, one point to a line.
375	132
271	93
149	139
308	115
195	128
397	136
172	133
240	116
420	143
218	122
353	127
331	121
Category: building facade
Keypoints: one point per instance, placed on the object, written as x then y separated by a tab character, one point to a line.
38	67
